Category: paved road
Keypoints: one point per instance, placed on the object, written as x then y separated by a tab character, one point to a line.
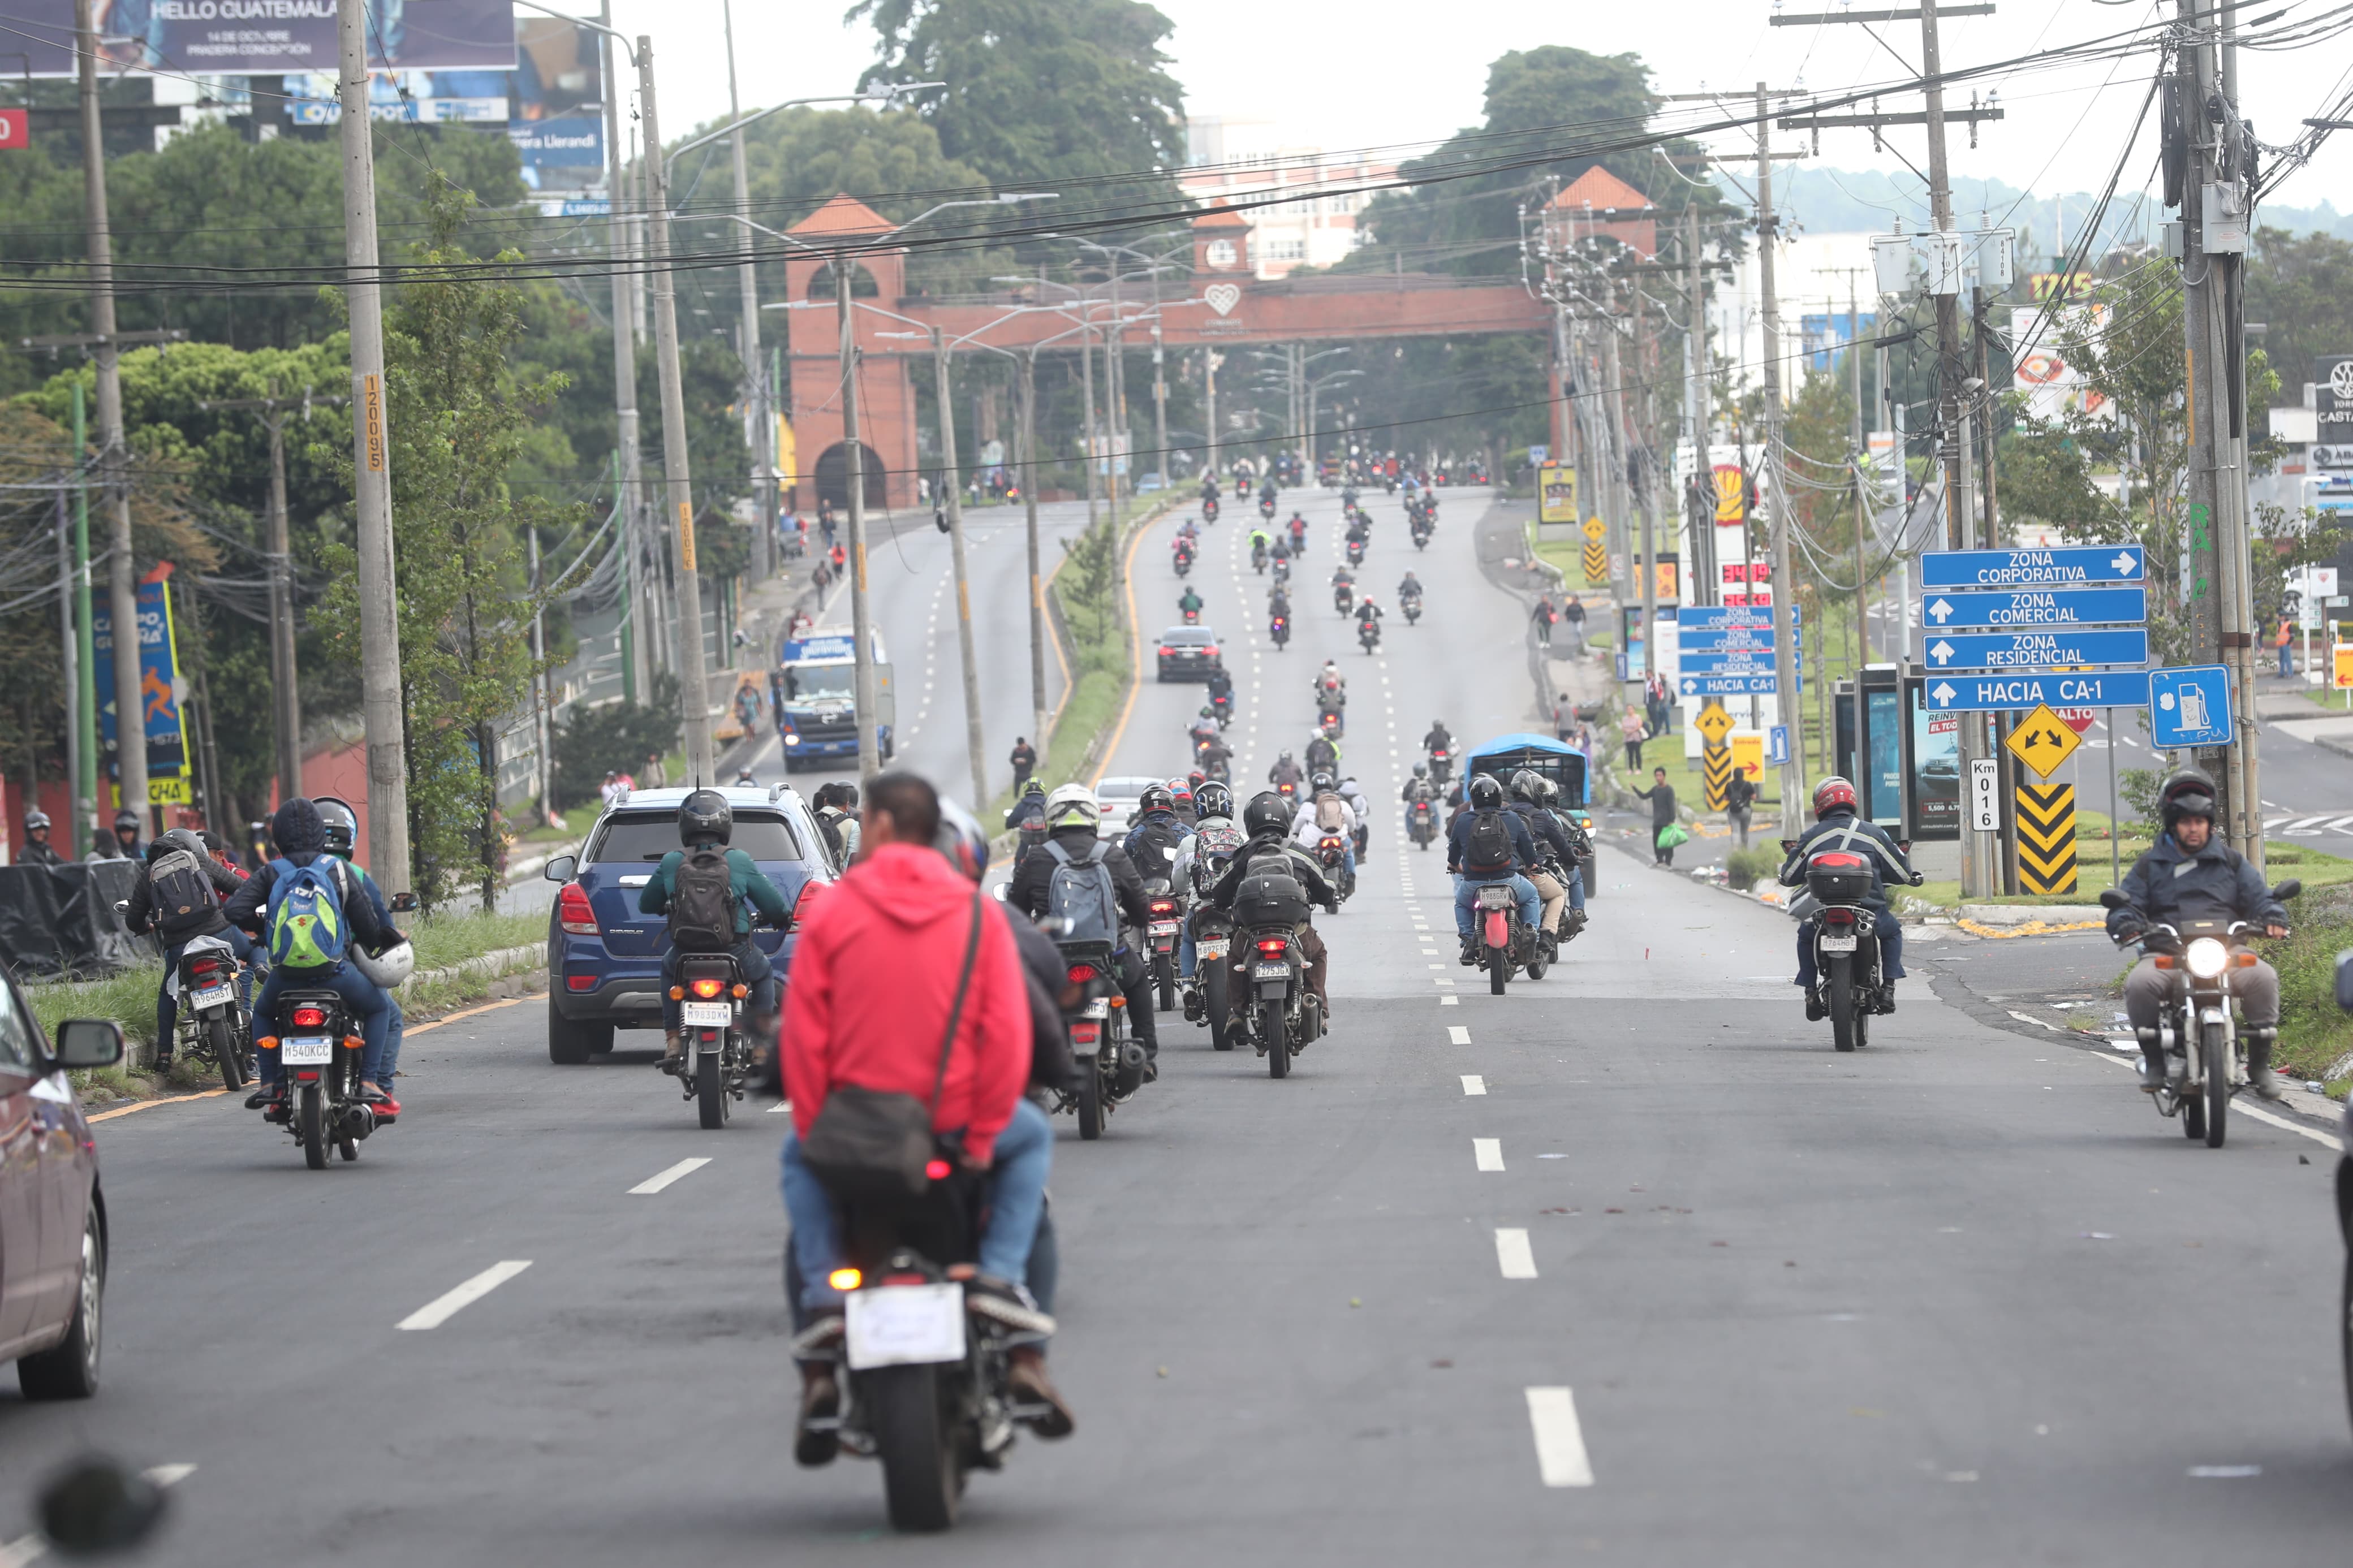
1959	1299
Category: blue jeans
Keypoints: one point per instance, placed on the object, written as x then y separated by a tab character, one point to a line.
167	1009
1017	1197
366	1000
1889	931
1577	885
1466	899
750	962
1184	954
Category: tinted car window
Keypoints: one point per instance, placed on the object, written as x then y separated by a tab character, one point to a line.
649	838
1188	636
20	1038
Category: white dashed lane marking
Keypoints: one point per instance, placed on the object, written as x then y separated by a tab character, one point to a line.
1513	1255
661	1179
1456	1035
1487	1153
444	1307
1561	1458
1473	1084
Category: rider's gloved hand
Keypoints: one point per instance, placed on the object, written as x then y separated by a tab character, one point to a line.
2130	931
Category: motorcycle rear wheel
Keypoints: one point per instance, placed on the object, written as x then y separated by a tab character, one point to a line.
711	1101
1213	997
222	1039
922	1481
1091	1099
1278	1047
1166	971
1841	986
2214	1048
1499	965
311	1128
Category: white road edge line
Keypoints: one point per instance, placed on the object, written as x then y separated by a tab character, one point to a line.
1561	1458
1513	1255
661	1179
1473	1084
1487	1153
2240	1108
443	1308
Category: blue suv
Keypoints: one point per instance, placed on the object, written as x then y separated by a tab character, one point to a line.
604	958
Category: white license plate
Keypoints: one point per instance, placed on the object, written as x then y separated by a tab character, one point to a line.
904	1325
1213	949
1273	971
1163	928
311	1051
706	1014
212	996
1098	1008
1495	900
1837	944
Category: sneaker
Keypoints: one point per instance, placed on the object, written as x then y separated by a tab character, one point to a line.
1026	1380
1815	1009
261	1097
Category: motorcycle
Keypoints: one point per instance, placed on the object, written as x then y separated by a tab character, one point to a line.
1298	537
922	1365
1344	598
1184	562
322	1053
1241	487
1849	981
2197	1023
1355	553
715	1056
1442	766
1167	919
1420	534
1214	759
1332	853
1109	1065
213	1024
1266	505
1328	724
1282	1014
1504	944
1278	630
1412	609
1288	789
1192	615
1282	569
1209	510
1257	557
1368	635
1222	705
1421	823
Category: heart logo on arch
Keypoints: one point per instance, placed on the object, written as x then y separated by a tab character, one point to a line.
1223	297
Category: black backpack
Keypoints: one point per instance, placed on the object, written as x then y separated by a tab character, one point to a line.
183	895
1489	848
702	902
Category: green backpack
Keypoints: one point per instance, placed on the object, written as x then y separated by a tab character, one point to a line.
306	914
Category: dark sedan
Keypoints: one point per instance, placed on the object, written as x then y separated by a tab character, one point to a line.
1189	653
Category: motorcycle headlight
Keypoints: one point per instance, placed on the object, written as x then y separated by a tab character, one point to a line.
2207	958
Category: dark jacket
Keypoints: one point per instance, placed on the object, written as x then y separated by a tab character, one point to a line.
35	853
1029	808
1030	884
1545	828
1739	791
1661	797
2169	885
142	914
301	840
1436	739
1154	829
1049	1038
1273	845
1458	839
1841	830
745	880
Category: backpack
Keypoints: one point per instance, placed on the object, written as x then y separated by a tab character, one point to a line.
829	825
183	895
702	902
1329	810
1156	838
1488	851
1080	892
307	930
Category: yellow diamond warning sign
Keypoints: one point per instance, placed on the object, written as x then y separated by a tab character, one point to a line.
1713	722
1595	529
2042	741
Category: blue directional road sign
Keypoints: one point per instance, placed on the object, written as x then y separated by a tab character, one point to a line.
1689	616
1981	693
1731	684
2054	647
2069	566
2036	607
2189	707
1728	639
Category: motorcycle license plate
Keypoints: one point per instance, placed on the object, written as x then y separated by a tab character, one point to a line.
212	996
1098	1008
1213	949
1273	971
311	1051
1837	944
906	1325
706	1014
1163	928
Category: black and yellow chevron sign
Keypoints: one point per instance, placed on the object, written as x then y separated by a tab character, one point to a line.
1715	768
1597	564
2046	838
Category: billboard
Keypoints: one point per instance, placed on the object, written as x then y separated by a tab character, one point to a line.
1824	335
159	686
259	38
2053	387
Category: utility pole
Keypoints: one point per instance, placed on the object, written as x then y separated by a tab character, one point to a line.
380	682
861	664
1210	401
86	784
638	673
747	343
1785	581
1160	402
122	594
1702	553
541	734
1037	581
974	742
69	647
1087	391
1854	444
678	485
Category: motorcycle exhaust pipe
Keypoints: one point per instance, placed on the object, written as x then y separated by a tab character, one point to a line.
1130	1068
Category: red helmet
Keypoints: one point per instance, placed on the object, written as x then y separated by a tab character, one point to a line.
1830	794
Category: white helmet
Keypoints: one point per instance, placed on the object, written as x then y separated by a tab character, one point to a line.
389	968
1072	805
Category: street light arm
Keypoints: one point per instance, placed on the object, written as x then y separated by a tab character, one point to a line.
594	26
883	96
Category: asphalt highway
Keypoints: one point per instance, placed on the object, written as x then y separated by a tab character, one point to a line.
1626	1266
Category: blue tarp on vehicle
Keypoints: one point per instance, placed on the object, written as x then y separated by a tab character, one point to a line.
1556	759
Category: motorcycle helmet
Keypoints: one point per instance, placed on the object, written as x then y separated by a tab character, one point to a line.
1831	793
1486	795
1073	805
1527	786
126	818
1209	713
1156	797
744	776
341	822
1421	769
1321	782
706	816
2189	793
1034	786
1282	758
36	817
1546	791
1213	799
1267	813
1181	787
388	968
960	838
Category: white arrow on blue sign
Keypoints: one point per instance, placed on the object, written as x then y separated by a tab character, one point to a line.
2057	648
2068	566
1730	685
2073	688
2037	607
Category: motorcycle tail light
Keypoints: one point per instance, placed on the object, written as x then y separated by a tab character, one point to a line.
572	910
845	1279
678	993
305	1075
1082	973
739	991
709	988
1273	944
936	1169
202	967
1084	1034
310	1017
1162	907
1838	917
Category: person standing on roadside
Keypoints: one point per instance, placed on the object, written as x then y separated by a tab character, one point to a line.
2282	640
1631	725
1025	761
1739	801
1542	619
1572	614
1662	797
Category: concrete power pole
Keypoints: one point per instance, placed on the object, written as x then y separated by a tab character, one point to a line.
635	596
388	741
122	594
1037	581
862	626
974	740
755	370
1785	581
678	486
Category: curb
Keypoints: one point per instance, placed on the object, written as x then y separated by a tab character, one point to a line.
496	964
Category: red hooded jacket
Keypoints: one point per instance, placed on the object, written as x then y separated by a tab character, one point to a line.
873	975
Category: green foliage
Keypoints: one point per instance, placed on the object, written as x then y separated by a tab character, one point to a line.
722	546
2137	786
1744	868
458	415
615	738
2302	289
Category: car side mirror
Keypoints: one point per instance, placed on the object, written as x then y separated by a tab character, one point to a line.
88	1043
2113	898
561	868
2287	890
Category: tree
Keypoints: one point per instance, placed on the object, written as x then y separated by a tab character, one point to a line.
2301	291
460	416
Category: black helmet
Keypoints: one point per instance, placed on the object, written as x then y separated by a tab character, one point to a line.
173	838
1527	785
126	818
1322	781
341	822
1034	786
1156	797
1267	813
1421	769
2189	793
1486	795
1213	799
705	814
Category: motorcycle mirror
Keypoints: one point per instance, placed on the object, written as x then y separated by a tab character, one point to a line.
1903	845
2345	980
404	903
2113	898
2287	890
1788	845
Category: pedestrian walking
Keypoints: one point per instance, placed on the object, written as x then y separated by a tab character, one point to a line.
840	557
1739	801
656	774
825	519
2284	640
1630	724
1542	619
1572	614
1662	797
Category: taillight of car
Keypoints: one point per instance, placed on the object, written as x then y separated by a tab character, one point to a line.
572	910
1166	650
1211	651
810	891
310	1017
706	989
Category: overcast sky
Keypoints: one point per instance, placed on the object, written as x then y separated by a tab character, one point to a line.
1381	72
